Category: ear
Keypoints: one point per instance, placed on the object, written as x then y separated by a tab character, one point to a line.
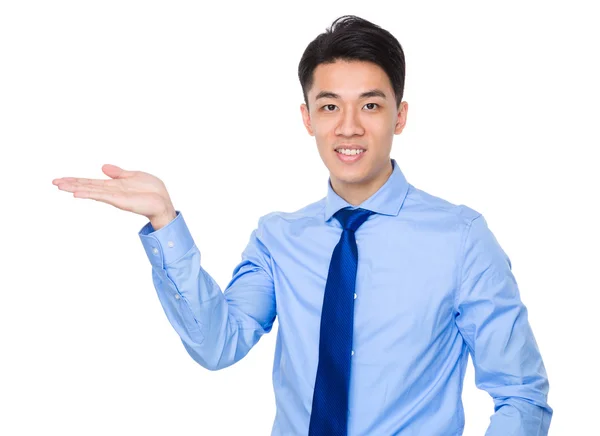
306	119
401	120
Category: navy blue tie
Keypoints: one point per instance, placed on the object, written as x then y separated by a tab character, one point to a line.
329	416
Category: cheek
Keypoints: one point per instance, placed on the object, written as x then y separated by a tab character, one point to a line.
322	126
382	129
324	133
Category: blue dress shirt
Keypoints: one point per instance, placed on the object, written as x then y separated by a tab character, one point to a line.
433	285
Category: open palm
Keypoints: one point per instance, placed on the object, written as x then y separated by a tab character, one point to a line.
132	191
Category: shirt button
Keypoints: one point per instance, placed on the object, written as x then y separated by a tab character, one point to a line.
355	295
352	354
155	250
170	244
177	297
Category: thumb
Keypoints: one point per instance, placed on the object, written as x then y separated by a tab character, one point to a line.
115	172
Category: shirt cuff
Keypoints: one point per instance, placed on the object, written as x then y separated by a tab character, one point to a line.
167	244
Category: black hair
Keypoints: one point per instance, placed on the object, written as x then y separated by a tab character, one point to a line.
351	38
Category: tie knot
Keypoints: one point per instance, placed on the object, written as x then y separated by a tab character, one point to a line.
352	219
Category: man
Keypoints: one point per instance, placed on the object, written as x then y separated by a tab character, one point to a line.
381	289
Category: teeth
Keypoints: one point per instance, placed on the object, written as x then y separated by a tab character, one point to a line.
349	152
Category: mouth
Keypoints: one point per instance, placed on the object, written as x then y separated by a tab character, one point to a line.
350	154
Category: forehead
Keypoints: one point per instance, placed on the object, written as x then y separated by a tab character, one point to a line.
349	78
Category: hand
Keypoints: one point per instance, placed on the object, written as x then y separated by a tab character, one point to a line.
132	191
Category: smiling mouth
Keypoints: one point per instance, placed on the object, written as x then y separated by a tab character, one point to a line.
350	152
352	157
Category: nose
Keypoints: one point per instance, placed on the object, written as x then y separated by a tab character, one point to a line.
349	123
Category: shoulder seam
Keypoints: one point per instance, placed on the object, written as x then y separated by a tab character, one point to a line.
461	256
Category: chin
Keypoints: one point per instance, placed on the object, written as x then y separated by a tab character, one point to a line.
349	175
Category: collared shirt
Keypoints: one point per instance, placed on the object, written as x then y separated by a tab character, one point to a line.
433	285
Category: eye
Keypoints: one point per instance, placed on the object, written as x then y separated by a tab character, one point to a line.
372	104
328	106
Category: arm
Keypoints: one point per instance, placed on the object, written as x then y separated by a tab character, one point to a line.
217	328
493	322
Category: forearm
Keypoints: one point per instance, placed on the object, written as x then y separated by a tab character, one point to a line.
214	333
517	416
217	328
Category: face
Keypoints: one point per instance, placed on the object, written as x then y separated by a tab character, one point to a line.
353	104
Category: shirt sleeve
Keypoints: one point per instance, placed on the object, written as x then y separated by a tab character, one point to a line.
217	327
493	321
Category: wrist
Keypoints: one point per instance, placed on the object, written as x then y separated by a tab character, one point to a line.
162	220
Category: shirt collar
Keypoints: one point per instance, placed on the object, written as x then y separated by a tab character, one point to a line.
387	200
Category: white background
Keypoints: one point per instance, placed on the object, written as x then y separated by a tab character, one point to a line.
503	117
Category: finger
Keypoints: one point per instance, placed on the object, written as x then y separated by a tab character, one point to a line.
116	172
88	191
74	187
75	182
83	181
98	195
62	180
93	182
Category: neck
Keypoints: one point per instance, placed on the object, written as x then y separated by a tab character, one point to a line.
356	194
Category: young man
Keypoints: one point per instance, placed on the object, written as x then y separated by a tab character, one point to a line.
381	289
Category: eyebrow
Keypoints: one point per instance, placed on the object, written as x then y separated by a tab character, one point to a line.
367	94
